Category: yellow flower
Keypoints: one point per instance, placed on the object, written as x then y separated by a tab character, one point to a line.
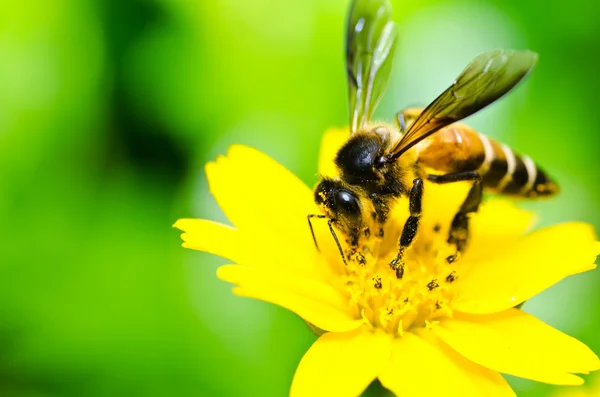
446	328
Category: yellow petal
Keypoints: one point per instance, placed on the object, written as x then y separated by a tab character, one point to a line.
497	223
441	202
228	242
332	141
516	343
212	237
341	364
512	274
321	315
254	278
266	202
422	366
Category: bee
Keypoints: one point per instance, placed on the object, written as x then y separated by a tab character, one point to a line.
380	163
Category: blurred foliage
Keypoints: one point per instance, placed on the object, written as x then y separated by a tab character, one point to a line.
110	108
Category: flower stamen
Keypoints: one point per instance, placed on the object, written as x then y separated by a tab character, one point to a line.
411	291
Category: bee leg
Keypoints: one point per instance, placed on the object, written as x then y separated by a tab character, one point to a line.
403	117
410	226
401	121
459	229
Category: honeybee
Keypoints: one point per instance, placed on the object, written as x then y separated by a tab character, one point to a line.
381	162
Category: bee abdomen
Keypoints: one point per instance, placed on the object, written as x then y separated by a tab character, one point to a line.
459	148
506	172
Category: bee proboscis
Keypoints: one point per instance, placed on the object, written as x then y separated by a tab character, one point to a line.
381	163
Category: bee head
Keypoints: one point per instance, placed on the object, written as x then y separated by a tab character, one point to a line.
339	203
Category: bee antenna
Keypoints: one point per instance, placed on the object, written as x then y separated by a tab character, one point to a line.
309	217
337	241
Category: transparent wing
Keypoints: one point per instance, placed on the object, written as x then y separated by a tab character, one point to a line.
488	77
370	43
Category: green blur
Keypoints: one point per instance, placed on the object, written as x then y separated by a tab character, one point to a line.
110	108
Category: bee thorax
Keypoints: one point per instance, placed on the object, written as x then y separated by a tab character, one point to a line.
356	158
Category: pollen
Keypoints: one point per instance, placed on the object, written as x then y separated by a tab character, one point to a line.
398	297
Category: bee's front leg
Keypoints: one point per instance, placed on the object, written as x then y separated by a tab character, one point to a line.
410	226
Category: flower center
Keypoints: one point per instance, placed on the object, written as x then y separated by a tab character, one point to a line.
414	293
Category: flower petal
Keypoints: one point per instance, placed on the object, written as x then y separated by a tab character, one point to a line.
230	243
516	343
212	237
525	268
497	223
321	315
254	278
441	202
422	366
266	202
341	364
332	141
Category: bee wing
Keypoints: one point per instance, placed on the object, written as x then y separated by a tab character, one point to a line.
370	43
488	77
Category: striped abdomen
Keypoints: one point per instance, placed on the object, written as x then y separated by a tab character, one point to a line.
460	148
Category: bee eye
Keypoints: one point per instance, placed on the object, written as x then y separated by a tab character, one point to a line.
347	203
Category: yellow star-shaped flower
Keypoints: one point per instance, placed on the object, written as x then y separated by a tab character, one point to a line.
446	327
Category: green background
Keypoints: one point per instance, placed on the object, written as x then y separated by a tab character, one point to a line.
110	108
